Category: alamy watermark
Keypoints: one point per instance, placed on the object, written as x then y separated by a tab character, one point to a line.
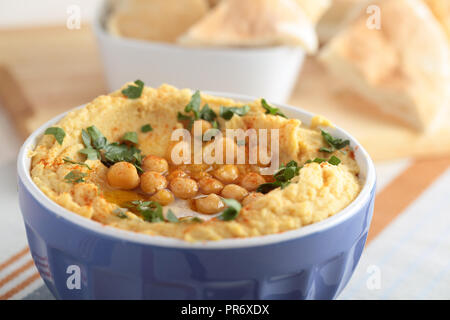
73	21
373	281
73	281
373	22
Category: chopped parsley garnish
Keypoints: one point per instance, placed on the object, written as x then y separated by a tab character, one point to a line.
150	211
232	211
191	219
316	160
171	217
98	140
282	177
183	117
271	110
194	105
228	112
333	143
121	213
134	91
68	160
130	137
115	152
75	176
205	113
146	128
91	153
98	148
286	172
333	160
58	133
86	137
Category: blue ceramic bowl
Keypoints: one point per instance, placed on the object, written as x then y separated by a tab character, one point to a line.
313	262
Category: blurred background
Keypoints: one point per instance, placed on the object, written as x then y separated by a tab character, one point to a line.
379	69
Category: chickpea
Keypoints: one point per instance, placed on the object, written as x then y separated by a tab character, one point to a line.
227	173
200	175
123	175
252	180
210	185
154	163
204	125
233	191
184	188
152	181
198	171
210	204
163	197
176	174
251	197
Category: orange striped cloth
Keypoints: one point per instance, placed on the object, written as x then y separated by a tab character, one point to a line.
407	254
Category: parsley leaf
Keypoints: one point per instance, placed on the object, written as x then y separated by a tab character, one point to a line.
228	112
112	152
271	110
150	211
268	186
146	128
207	114
91	153
171	217
119	212
68	160
286	172
57	132
282	177
232	211
86	137
334	160
334	143
182	117
194	105
316	160
75	176
134	92
130	137
97	138
115	152
191	219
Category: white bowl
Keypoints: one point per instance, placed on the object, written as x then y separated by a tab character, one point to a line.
271	71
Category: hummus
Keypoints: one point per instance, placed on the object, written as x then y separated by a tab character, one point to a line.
318	189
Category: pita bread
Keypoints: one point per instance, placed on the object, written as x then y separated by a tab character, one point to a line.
155	20
253	23
404	68
334	18
213	3
314	9
441	9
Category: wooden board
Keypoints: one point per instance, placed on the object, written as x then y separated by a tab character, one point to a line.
58	69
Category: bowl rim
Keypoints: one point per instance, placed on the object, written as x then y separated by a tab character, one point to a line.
24	163
101	32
